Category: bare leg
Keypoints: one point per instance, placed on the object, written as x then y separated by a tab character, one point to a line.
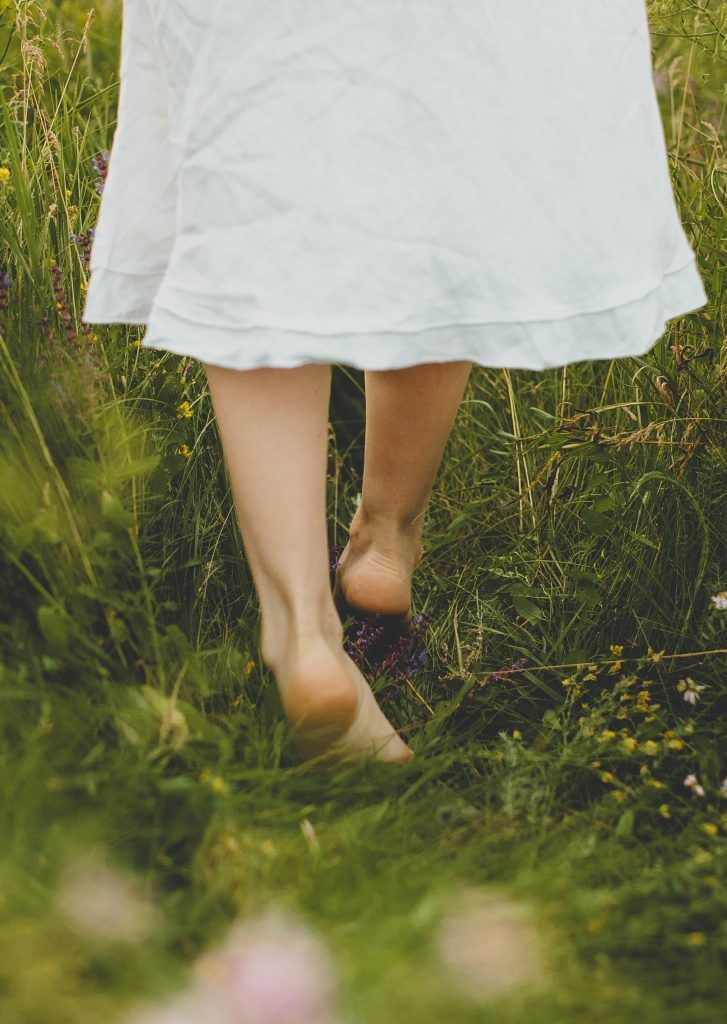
274	428
409	416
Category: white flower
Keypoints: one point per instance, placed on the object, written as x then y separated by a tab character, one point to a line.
690	690
720	601
691	783
491	945
105	904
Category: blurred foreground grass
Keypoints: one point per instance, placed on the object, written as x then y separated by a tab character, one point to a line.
576	540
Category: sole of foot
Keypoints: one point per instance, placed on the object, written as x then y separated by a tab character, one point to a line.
332	709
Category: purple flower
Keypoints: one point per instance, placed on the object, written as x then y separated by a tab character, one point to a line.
83	244
101	165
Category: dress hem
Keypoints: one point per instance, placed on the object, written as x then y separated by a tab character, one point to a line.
622	331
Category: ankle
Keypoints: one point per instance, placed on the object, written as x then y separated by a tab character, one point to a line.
290	626
388	533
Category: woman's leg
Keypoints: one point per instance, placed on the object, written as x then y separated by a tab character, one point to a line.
409	416
274	429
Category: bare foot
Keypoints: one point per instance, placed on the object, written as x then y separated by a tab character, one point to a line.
375	571
330	706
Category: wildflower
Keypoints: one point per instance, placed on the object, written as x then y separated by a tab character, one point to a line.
568	681
690	690
101	165
607	777
516	734
617	650
83	244
104	904
676	744
720	601
4	175
629	744
655	656
650	748
184	450
184	409
691	782
490	944
608	734
696	939
5	282
655	783
710	828
218	785
270	970
664	811
309	834
618	795
505	673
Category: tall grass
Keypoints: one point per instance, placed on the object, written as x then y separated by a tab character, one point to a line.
575	544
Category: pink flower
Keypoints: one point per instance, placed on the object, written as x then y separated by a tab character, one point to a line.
188	1008
272	970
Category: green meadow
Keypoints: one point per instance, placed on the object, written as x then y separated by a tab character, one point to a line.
565	816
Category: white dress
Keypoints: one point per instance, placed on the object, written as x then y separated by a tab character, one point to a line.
381	183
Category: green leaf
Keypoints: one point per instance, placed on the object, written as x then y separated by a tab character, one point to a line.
526	608
625	825
53	626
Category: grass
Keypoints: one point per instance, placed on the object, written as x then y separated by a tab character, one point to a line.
576	533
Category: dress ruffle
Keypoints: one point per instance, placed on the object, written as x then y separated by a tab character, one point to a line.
629	329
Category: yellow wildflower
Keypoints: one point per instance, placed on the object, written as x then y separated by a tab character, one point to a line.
608	734
618	795
629	744
607	777
568	681
710	828
218	785
4	175
516	734
664	811
696	939
184	450
655	783
185	409
617	650
650	748
676	744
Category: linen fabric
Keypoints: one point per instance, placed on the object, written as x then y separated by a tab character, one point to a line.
382	183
